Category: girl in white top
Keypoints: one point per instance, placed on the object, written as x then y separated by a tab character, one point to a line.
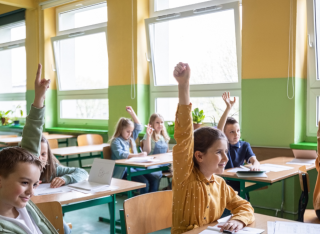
156	140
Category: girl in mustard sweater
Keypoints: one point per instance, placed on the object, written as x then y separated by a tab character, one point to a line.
316	193
199	196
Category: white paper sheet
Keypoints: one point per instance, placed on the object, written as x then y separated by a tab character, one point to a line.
103	189
237	169
143	159
44	189
271	226
246	230
274	167
296	228
302	161
260	175
224	219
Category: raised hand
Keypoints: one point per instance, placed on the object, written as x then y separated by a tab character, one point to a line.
40	88
149	130
182	73
227	100
130	110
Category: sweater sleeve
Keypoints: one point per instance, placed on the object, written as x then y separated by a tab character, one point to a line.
183	150
32	131
316	193
71	174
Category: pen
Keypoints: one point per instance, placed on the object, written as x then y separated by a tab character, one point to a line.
150	127
141	149
243	167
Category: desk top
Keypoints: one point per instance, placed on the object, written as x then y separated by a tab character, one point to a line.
260	222
74	196
163	159
16	140
272	176
64	151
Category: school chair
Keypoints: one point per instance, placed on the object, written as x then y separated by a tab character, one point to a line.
53	212
53	143
305	215
45	133
107	152
6	136
165	174
88	139
147	213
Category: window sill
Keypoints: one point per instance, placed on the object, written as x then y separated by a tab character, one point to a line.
304	146
76	130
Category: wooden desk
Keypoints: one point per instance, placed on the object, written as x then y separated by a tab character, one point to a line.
273	177
74	200
66	151
165	158
260	222
17	140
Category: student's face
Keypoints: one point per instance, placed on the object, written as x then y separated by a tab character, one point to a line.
158	124
44	152
126	132
215	160
232	132
17	189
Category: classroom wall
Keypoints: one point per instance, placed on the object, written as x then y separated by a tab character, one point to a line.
269	117
6	8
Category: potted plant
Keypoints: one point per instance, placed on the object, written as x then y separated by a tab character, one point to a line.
15	119
4	117
197	117
170	128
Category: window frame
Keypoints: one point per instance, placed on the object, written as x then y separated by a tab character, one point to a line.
196	90
78	94
313	85
14	96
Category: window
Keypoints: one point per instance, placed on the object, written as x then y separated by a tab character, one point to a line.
13	73
81	59
207	37
313	82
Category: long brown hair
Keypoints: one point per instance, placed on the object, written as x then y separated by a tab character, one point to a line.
49	170
204	138
122	123
163	132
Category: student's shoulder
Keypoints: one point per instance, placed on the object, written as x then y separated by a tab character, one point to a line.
116	140
219	179
244	144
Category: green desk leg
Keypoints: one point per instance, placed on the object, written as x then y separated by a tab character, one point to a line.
112	210
242	189
129	178
123	222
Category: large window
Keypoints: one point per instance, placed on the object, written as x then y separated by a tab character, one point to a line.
81	58
206	35
313	97
13	74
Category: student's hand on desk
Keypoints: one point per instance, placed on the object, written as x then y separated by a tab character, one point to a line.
182	73
255	168
57	182
227	100
232	225
143	154
40	88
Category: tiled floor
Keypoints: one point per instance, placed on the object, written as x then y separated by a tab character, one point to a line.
86	221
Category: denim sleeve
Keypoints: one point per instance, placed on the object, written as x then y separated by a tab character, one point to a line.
118	151
136	131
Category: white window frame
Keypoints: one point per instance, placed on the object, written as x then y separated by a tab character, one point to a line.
313	85
200	90
78	94
14	96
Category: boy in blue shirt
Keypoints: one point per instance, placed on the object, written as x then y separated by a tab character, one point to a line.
239	151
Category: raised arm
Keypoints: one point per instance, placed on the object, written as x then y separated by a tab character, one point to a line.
147	140
229	103
135	118
32	131
183	130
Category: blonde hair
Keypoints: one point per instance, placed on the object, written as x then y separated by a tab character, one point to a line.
122	123
50	170
163	132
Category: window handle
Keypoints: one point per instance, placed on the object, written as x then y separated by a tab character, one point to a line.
147	57
309	41
76	34
13	46
168	16
206	9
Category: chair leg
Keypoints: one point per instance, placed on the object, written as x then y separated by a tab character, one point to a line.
123	222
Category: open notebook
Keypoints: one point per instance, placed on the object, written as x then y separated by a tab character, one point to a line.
100	175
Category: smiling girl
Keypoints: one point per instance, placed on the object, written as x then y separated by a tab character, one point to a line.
199	196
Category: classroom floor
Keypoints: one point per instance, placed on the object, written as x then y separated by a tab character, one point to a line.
86	221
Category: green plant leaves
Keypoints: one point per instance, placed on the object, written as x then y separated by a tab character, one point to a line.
197	116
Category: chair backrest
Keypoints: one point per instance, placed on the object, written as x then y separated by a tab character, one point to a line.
89	139
53	212
45	133
107	152
148	212
7	136
53	143
305	187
